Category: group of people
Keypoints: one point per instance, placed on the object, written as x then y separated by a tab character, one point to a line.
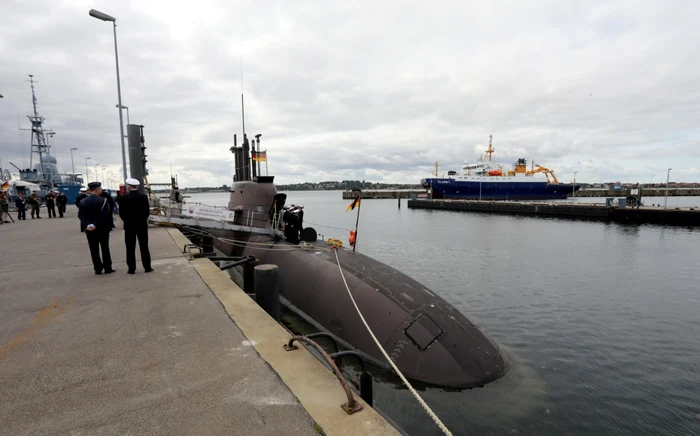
293	219
96	210
53	199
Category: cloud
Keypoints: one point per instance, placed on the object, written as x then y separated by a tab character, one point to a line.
363	90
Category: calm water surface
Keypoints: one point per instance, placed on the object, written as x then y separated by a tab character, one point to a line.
602	320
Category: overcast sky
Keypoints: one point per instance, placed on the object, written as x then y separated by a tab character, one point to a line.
374	90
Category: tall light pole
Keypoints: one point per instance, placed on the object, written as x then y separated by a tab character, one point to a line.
72	163
668	175
104	17
103	175
573	190
49	137
49	134
127	113
96	175
87	173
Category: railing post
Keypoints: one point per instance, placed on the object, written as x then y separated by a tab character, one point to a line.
267	289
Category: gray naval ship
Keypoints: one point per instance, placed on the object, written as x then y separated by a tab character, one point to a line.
429	340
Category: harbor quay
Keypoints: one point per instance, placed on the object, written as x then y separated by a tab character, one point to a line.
180	350
642	215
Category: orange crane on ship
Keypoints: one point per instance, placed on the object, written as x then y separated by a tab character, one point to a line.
547	172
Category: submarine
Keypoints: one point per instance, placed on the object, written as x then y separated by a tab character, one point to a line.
429	340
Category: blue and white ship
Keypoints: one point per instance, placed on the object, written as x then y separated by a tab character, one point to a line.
484	181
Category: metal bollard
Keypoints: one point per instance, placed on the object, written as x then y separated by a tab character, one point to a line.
267	289
249	277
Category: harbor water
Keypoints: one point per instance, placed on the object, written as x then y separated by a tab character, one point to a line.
601	320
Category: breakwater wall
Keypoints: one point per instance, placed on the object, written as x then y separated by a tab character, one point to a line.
642	215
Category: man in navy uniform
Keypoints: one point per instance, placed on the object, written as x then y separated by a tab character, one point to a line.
134	209
61	201
95	217
83	195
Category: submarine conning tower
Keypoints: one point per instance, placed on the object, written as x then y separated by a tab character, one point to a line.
254	197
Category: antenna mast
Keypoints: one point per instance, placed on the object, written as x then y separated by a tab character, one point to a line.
490	149
242	105
38	140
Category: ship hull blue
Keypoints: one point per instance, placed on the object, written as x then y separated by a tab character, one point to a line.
455	189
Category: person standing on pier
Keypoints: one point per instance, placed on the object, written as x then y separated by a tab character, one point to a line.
134	210
4	208
78	199
110	201
35	202
95	217
50	204
21	205
61	201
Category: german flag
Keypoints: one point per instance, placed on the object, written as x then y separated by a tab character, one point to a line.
259	156
355	202
5	185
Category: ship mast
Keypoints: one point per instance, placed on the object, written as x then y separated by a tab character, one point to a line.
39	145
490	149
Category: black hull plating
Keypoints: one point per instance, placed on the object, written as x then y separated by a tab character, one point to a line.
429	340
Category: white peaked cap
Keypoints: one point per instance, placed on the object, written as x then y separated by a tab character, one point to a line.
132	182
83	189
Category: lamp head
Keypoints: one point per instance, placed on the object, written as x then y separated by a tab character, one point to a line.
101	15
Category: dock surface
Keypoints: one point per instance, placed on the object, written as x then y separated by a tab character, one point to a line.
156	353
643	215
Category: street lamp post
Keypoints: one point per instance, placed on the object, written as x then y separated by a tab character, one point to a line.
104	17
72	163
50	134
127	113
96	175
103	175
87	173
573	189
668	175
49	174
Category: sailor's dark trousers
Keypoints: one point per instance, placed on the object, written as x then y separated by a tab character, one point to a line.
99	239
131	233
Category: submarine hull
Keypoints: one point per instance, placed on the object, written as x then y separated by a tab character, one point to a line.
429	340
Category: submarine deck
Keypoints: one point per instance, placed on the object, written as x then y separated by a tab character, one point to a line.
147	353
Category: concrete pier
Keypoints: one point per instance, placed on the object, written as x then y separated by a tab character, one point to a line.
157	353
642	215
382	194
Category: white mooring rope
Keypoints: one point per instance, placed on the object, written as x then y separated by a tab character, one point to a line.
386	356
